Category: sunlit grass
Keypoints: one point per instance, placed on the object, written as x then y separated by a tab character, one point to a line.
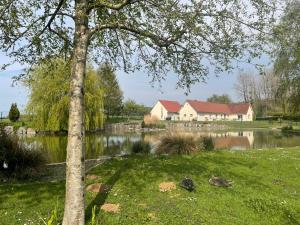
266	190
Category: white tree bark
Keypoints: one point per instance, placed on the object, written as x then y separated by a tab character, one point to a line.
74	198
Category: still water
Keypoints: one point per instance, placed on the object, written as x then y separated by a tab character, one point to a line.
99	144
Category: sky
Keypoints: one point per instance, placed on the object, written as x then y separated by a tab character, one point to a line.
135	86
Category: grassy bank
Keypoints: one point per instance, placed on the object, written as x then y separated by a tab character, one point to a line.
256	124
265	124
20	123
266	190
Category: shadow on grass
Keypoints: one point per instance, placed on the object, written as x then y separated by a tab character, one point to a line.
101	197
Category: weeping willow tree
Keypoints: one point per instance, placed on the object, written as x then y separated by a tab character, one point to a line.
49	96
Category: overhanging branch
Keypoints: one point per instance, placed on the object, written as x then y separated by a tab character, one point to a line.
159	40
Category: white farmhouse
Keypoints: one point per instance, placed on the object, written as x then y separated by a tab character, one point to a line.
194	110
166	110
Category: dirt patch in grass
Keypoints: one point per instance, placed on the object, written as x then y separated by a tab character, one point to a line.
98	187
113	208
167	186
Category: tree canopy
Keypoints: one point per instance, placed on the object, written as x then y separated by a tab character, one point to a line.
287	55
113	95
14	113
219	98
181	36
49	96
131	108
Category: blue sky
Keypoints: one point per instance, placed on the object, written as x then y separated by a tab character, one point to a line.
135	86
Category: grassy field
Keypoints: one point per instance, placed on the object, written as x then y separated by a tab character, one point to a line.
266	190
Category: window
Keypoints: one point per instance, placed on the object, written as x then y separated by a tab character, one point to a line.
184	115
191	115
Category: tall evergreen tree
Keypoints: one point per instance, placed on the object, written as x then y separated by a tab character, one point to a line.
159	36
113	95
14	113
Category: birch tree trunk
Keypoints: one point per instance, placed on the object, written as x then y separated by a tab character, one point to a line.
74	199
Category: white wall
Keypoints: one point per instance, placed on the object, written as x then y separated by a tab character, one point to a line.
159	111
211	117
245	117
187	113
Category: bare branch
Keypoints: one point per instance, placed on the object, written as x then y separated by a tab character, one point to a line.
61	2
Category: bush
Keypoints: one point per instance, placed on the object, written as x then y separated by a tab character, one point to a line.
207	143
150	120
177	144
141	147
17	161
287	128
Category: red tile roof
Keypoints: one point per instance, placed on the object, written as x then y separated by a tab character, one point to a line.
171	106
209	107
239	108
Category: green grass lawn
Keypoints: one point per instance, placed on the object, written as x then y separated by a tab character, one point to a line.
266	190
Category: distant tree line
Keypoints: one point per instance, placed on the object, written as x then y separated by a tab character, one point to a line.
220	99
260	91
276	91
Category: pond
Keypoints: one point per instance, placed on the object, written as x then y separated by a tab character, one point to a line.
99	144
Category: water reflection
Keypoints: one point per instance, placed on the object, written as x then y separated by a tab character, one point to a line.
112	144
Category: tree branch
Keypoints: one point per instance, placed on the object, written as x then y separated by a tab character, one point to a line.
61	2
160	41
6	8
106	4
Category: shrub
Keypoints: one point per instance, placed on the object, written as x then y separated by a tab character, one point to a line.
287	128
141	147
207	143
177	144
150	120
14	113
16	160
